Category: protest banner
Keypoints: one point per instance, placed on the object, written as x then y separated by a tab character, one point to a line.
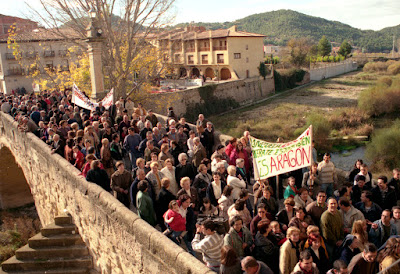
271	159
108	100
79	99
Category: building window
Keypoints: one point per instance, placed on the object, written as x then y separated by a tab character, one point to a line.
49	65
247	59
190	59
220	58
247	47
247	73
177	58
204	59
237	55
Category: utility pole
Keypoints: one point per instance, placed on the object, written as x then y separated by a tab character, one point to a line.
393	46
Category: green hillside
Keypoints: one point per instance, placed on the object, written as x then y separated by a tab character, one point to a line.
282	25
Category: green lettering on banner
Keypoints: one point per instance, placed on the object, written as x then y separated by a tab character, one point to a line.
263	168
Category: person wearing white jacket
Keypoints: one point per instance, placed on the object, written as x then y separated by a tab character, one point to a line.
234	182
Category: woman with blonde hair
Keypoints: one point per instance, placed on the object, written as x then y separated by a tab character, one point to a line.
360	230
169	172
389	255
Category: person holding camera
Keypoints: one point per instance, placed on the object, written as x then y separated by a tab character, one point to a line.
210	246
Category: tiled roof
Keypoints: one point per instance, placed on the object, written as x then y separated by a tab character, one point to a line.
42	34
188	34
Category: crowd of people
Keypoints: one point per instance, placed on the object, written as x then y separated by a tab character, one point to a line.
203	196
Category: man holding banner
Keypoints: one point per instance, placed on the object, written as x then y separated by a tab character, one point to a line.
272	159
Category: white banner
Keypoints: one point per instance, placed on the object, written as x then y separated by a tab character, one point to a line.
271	159
108	100
79	99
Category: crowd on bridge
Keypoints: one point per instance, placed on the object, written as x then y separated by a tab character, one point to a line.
203	196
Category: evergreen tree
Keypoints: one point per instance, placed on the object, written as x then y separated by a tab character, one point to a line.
324	46
345	49
262	70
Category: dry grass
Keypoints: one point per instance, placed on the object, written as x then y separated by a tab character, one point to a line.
334	99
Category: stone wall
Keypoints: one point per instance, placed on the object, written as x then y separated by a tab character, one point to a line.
244	91
119	241
332	69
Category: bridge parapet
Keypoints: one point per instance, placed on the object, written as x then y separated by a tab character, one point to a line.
118	240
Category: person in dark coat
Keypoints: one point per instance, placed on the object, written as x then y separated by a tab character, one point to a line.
285	215
318	253
264	249
184	169
141	176
164	197
348	249
98	176
384	195
209	139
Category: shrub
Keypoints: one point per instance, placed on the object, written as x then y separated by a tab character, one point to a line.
384	146
351	118
321	130
380	99
385	80
287	79
394	68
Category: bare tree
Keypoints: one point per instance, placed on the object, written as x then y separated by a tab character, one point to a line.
126	26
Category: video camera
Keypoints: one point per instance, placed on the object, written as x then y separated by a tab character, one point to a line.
220	222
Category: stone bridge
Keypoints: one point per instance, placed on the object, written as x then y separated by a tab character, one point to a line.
118	240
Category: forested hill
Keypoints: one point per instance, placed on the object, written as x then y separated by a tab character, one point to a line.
281	25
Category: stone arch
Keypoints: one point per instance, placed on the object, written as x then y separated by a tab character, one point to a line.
195	72
225	74
14	189
209	73
182	72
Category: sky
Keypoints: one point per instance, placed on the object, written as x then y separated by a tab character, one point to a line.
362	14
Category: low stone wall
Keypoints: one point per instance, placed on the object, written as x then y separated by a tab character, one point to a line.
332	70
244	91
119	241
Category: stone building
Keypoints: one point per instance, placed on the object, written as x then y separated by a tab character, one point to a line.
227	53
38	46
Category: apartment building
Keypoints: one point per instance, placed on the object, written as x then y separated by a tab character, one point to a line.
38	46
215	54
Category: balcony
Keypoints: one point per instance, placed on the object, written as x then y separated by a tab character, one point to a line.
220	48
10	56
31	55
16	72
220	61
62	53
204	62
190	49
190	62
204	49
49	53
